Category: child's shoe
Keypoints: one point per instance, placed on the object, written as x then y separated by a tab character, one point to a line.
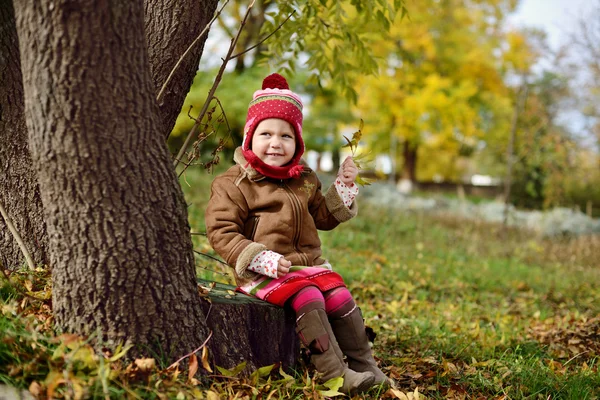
352	339
316	334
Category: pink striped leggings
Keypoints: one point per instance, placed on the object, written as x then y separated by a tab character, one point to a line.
337	302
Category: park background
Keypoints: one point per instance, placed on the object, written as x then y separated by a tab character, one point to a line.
464	306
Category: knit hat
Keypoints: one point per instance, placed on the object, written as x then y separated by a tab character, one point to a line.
275	100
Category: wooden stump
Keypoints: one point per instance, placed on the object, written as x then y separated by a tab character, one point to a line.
248	329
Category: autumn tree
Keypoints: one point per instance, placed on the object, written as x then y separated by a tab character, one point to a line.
440	88
119	242
170	28
19	194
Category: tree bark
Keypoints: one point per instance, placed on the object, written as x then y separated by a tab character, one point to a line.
119	238
409	168
241	323
20	195
171	26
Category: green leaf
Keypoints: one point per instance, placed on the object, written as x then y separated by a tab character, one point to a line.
232	372
364	181
333	385
262	372
285	376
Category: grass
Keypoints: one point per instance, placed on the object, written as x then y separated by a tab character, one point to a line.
462	310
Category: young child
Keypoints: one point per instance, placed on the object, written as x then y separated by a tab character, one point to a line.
262	218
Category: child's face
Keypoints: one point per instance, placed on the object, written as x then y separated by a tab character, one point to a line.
274	142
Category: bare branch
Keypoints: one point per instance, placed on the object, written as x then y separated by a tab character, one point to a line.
265	38
191	46
17	237
193	352
213	89
212	258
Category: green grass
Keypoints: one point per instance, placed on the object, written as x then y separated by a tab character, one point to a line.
461	309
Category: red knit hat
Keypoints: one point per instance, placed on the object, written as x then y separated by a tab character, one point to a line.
275	100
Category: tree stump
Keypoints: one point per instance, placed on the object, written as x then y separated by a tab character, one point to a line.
245	328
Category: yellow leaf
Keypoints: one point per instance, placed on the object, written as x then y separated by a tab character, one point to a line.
333	385
35	389
120	352
330	393
205	363
399	394
85	355
145	364
52	381
210	395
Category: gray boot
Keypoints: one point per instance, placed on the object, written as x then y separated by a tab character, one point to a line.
352	339
315	333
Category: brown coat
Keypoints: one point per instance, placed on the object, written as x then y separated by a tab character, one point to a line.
248	213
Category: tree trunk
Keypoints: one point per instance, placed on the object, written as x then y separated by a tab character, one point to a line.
171	26
409	168
19	195
119	242
241	323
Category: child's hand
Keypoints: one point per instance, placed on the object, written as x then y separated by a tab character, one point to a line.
348	171
283	267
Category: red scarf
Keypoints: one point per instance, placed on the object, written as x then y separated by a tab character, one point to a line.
290	170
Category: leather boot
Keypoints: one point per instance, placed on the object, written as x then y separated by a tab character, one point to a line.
315	333
352	339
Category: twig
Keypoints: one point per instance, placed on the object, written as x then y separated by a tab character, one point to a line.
193	352
574	357
198	123
213	89
211	257
190	47
266	37
208	313
17	237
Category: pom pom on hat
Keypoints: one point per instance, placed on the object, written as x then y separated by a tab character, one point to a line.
275	81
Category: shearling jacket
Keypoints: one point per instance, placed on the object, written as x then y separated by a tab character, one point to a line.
248	213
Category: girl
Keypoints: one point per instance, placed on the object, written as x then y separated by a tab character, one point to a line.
262	218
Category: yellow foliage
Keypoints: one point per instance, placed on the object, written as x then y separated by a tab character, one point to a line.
441	83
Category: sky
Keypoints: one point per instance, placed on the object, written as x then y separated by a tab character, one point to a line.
556	17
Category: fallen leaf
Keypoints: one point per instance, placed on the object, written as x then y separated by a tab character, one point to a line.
193	368
205	363
232	372
398	394
145	364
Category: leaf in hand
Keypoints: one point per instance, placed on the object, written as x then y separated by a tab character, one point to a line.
351	143
358	159
364	181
